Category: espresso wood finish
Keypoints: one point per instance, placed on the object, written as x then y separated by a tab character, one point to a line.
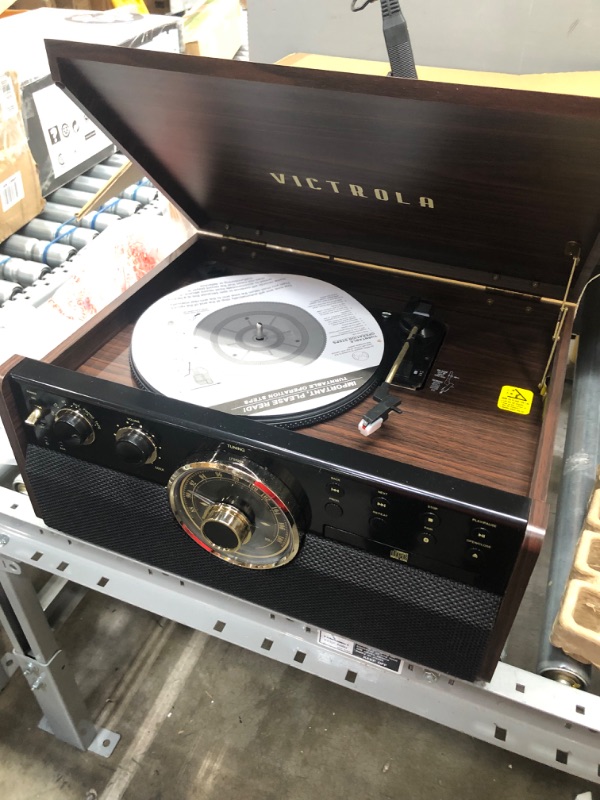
491	341
538	518
488	180
528	554
481	186
543	465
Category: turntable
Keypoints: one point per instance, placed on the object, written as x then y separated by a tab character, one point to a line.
338	400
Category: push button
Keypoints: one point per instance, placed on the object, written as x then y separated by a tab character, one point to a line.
430	519
482	535
333	510
475	557
381	504
335	490
378	525
427	539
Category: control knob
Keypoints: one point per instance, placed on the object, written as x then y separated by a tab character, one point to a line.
73	426
226	526
238	510
135	446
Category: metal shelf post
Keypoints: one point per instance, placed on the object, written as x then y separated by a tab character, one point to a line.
44	665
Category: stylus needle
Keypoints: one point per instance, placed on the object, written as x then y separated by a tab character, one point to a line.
374	419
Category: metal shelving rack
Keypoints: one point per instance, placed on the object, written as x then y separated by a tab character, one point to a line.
517	711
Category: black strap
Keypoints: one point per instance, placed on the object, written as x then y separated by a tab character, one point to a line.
397	40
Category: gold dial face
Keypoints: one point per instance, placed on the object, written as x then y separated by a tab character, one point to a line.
237	511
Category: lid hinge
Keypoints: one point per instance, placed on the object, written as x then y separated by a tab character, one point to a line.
572	249
295	251
227	237
497	290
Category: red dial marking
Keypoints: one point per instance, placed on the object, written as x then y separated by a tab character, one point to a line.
270	494
196	539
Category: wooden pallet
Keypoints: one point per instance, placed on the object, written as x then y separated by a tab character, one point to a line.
577	626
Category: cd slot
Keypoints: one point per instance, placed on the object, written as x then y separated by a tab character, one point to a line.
466	576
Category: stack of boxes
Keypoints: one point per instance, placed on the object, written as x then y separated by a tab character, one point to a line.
20	194
39	125
45	139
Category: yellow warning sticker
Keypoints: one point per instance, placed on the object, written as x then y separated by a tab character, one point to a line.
519	401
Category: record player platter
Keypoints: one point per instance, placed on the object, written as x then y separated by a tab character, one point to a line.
289	349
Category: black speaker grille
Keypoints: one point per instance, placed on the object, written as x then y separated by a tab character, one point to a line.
408	612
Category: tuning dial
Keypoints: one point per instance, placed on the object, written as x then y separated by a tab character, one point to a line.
73	427
135	446
226	526
238	510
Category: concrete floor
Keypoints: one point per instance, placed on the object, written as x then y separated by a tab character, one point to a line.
200	718
203	719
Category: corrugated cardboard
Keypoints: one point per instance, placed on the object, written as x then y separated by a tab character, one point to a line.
63	141
20	193
582	83
213	29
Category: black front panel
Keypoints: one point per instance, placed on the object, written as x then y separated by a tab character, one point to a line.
399	513
402	559
383	603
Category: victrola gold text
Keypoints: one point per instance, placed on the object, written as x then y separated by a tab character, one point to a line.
350	189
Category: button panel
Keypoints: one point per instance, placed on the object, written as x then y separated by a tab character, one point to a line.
429	536
354	509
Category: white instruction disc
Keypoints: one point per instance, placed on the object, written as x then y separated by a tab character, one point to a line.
279	347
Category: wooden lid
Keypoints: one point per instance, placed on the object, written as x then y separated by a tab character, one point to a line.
480	184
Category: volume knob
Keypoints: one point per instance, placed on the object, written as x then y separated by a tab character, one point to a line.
226	526
73	427
135	446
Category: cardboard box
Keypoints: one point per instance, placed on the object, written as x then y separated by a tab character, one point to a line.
84	5
62	139
581	83
20	195
158	6
213	28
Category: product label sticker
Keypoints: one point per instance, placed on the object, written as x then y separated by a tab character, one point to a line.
515	400
443	380
11	191
376	657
